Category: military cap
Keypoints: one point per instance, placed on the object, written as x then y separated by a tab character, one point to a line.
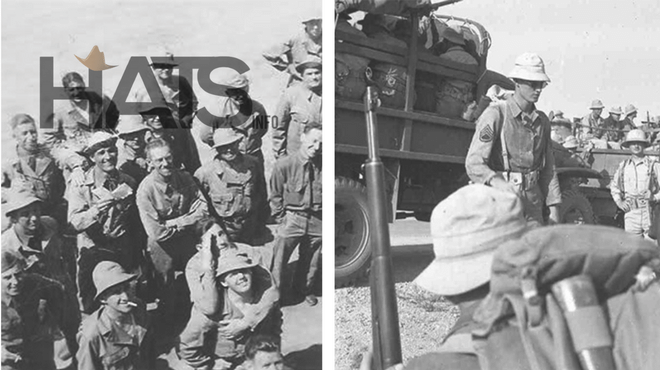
529	67
309	62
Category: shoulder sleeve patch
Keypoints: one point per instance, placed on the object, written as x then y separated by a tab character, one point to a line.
486	134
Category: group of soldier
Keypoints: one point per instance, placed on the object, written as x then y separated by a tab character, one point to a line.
118	239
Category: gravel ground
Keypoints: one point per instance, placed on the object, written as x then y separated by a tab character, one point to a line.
424	320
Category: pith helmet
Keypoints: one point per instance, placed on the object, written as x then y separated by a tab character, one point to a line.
466	228
233	261
596	104
630	109
616	110
571	142
98	140
530	67
108	274
635	136
225	136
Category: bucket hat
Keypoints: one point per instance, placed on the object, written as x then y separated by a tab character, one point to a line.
571	142
108	274
635	136
19	200
530	67
616	110
232	261
596	104
225	136
466	229
630	109
98	140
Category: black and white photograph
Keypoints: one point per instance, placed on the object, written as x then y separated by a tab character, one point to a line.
161	185
497	197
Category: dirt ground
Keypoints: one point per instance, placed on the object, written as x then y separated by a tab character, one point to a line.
121	29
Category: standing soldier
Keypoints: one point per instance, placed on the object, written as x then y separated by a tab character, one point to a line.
286	56
511	148
34	169
170	205
102	209
635	184
176	93
131	157
590	123
299	105
239	112
234	186
116	335
295	199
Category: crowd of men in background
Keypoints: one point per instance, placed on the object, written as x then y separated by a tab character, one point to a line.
119	242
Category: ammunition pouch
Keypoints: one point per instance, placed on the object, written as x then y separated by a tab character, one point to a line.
522	181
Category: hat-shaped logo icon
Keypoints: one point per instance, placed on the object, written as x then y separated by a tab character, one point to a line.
95	60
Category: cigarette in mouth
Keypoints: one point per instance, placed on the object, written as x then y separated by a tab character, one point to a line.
132	304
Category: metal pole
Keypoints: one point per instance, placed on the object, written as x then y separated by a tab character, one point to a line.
385	319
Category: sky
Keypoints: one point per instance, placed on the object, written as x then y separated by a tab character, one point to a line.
592	49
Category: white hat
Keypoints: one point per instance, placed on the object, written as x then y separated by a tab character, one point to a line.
529	67
635	136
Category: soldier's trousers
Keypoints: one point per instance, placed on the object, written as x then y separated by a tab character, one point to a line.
533	200
638	221
303	231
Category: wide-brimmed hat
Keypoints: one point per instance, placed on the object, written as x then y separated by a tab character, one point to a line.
130	125
466	228
596	104
571	142
309	62
12	260
232	260
635	136
616	110
108	274
230	78
530	67
452	35
630	109
167	60
98	140
225	136
18	199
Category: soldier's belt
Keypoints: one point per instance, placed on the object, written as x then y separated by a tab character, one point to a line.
636	203
526	181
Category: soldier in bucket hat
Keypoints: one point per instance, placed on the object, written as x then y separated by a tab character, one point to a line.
116	335
224	280
234	185
511	148
634	186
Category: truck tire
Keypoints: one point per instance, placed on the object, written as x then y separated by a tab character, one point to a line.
575	209
352	251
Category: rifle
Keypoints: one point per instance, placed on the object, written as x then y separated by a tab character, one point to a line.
385	318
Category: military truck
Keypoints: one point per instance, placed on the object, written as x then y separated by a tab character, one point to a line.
424	152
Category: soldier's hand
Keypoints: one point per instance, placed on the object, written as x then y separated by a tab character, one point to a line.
625	206
232	328
9	358
209	261
644	278
104	205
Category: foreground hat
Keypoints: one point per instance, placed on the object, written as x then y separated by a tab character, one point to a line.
571	142
635	136
225	136
108	274
12	260
18	200
310	62
530	67
616	110
232	261
98	140
466	229
230	78
452	35
630	109
596	104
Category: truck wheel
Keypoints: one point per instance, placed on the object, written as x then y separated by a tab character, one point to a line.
352	252
575	209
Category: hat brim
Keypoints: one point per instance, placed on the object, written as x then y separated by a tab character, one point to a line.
303	66
89	151
122	278
597	107
626	144
236	268
523	74
457	275
170	64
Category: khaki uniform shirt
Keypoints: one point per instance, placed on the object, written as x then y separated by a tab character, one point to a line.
528	142
298	106
633	178
295	185
45	180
